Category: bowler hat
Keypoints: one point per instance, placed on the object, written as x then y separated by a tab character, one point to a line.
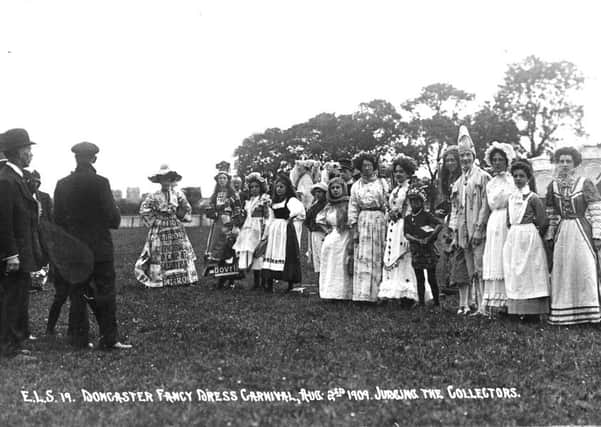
85	148
14	139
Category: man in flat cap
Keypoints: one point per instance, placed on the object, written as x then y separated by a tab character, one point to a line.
20	249
84	207
346	171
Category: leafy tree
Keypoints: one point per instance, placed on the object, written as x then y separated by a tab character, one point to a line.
487	125
536	94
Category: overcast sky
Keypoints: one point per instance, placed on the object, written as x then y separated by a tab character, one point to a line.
185	81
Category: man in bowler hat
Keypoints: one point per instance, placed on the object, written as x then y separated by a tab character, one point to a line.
20	249
84	207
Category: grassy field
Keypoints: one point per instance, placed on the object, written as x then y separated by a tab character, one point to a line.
238	341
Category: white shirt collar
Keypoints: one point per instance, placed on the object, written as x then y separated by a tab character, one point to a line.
16	168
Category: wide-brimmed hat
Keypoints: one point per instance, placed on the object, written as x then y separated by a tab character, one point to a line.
14	139
165	172
319	186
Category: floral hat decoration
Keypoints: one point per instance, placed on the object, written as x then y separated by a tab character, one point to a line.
505	148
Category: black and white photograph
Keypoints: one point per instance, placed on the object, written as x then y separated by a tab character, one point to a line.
317	213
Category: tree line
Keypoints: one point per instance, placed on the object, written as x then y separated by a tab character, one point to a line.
532	104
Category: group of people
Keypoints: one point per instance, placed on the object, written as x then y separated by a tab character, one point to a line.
373	237
370	237
78	247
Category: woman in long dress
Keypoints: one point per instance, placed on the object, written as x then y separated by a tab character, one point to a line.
258	214
524	257
574	209
282	253
335	282
226	211
447	273
167	258
398	276
366	216
498	190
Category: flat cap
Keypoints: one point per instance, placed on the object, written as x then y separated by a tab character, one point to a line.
85	148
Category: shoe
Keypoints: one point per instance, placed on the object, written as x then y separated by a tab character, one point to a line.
476	313
32	338
461	311
24	351
90	345
120	346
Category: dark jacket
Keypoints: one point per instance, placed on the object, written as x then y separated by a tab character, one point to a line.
84	207
18	221
46	205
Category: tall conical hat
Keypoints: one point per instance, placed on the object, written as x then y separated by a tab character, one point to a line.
464	141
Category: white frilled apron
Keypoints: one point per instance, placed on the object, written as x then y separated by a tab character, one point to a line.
524	257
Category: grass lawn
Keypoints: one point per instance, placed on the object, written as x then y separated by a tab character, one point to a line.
194	338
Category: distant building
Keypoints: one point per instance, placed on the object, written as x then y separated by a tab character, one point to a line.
133	195
117	194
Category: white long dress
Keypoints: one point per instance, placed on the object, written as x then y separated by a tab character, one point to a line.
498	190
398	276
335	281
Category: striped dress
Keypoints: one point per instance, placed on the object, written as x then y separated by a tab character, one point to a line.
574	210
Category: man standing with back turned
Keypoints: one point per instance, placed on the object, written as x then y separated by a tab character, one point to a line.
84	207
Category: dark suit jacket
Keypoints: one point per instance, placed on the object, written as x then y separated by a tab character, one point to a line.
18	221
84	207
46	204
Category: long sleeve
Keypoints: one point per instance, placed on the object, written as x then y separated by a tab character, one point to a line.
484	212
540	215
454	207
593	208
8	244
111	211
353	205
552	213
184	207
147	208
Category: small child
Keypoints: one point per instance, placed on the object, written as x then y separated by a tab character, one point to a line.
421	229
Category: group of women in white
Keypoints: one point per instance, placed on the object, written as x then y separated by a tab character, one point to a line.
373	238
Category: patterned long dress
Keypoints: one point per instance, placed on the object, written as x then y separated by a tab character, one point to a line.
367	204
498	190
398	276
574	209
524	257
167	258
227	208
